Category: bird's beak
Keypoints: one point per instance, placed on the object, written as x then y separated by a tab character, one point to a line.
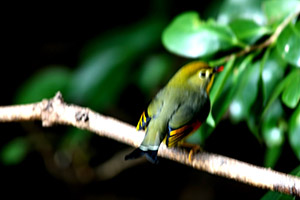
218	69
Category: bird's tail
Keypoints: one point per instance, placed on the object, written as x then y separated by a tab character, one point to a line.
151	155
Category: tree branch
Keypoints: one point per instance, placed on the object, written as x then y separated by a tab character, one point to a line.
56	111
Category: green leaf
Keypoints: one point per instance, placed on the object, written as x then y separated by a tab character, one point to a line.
273	72
43	84
294	131
288	44
221	95
291	94
242	9
277	196
255	110
217	88
247	30
188	36
246	92
273	133
272	155
296	171
297	26
281	86
210	120
220	81
276	10
15	151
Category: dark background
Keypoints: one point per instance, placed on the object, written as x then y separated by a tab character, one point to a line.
34	36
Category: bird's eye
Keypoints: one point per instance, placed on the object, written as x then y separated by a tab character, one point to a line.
202	74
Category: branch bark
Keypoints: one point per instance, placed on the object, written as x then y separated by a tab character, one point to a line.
56	111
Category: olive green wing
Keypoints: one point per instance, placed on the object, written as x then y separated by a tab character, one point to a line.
187	119
180	125
152	111
176	135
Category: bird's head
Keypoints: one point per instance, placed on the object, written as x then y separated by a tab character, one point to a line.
197	75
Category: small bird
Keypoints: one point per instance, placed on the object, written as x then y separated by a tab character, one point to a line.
177	110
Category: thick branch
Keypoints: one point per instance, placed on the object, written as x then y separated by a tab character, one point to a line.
55	111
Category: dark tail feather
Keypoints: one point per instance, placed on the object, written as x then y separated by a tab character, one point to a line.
150	155
135	154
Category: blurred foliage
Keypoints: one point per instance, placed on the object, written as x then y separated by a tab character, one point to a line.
43	84
106	64
261	88
15	151
188	36
105	69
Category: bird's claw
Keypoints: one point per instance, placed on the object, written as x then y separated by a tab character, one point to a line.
192	149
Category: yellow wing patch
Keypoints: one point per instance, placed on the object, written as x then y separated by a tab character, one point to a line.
176	135
143	122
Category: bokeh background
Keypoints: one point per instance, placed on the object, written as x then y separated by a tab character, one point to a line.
107	56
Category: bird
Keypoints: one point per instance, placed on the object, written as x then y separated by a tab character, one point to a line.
177	110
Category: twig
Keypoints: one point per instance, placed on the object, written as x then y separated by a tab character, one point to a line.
55	111
262	45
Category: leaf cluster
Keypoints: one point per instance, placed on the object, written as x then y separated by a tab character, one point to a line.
260	87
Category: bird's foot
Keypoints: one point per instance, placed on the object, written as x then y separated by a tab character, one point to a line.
192	149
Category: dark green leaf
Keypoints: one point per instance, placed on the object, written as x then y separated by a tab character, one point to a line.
291	94
242	9
246	92
273	133
278	90
273	72
221	95
188	36
247	30
220	81
297	26
296	171
277	196
276	10
15	151
288	45
255	110
274	115
294	131
43	84
217	88
272	155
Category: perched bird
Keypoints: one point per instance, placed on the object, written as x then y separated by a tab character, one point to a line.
177	110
